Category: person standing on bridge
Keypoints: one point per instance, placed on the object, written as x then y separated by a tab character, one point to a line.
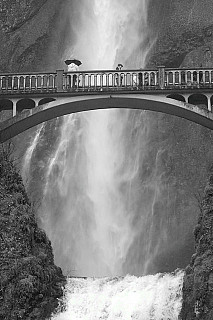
119	76
72	66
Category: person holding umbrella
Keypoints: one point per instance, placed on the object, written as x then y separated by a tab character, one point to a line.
119	67
72	66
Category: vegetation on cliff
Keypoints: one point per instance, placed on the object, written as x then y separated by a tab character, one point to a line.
30	283
198	279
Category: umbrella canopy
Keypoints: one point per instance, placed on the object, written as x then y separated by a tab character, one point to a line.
120	65
75	61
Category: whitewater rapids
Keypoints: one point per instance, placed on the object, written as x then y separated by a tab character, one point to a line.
153	297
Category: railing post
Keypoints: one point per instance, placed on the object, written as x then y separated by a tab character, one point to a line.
59	80
161	76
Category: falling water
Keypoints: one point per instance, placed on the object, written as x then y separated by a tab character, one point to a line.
103	183
91	178
29	153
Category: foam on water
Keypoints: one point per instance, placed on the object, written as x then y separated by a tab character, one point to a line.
153	297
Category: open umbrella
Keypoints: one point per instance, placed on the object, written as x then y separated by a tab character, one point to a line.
120	65
75	61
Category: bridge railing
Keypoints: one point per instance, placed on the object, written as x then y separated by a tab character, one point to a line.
197	77
25	82
103	80
98	80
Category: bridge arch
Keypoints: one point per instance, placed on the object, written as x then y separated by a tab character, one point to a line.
6	104
80	103
198	99
177	97
46	100
25	104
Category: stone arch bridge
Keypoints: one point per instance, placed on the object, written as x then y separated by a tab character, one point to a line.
29	99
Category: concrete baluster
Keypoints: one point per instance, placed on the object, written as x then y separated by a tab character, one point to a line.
124	79
24	84
12	83
191	76
132	80
54	81
143	79
77	80
42	82
89	80
149	79
36	82
101	80
202	77
179	77
30	84
48	81
156	80
198	76
18	82
173	78
107	80
7	82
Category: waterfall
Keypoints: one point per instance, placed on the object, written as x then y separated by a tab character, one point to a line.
103	196
90	189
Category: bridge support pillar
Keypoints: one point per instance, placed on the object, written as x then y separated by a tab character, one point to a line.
36	100
186	96
14	108
209	104
59	80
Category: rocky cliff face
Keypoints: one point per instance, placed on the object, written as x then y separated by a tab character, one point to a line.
30	283
26	31
198	279
185	39
180	27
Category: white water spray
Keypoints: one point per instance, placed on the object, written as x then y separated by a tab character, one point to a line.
148	298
